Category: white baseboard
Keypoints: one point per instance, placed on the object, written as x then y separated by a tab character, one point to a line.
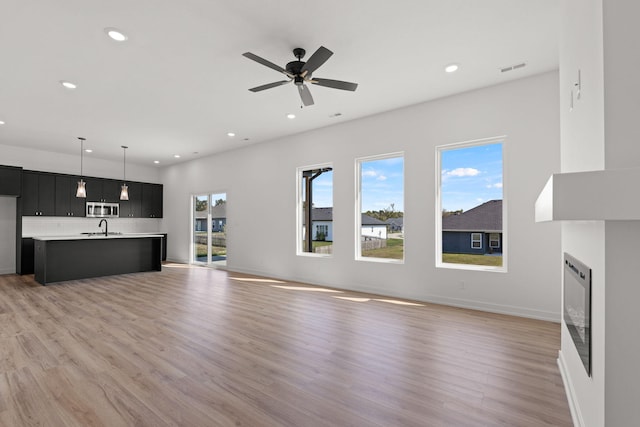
8	270
454	302
574	407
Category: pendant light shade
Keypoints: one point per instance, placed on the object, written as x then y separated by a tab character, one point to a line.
81	192
124	192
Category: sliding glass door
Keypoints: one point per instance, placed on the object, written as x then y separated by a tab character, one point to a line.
209	229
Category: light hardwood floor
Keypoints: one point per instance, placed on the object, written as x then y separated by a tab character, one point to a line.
202	347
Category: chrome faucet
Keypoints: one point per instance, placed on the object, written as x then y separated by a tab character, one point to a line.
106	226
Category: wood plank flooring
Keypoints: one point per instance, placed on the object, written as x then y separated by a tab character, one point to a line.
193	346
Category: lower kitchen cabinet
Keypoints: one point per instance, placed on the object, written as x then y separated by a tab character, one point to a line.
27	257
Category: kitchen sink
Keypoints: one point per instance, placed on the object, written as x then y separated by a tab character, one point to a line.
99	233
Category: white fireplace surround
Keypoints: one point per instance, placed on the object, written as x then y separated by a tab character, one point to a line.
590	196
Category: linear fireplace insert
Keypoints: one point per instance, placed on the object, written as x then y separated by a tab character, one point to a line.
577	306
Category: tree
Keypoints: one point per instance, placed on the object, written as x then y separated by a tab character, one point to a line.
201	205
220	202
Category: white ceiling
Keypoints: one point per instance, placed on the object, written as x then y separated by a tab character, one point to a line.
180	82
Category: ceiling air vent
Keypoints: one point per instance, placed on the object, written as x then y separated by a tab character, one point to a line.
513	67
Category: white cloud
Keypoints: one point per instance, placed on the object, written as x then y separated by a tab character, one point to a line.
459	172
370	173
496	185
381	178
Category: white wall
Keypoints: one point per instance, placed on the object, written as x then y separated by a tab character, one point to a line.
7	235
262	176
582	149
622	150
47	161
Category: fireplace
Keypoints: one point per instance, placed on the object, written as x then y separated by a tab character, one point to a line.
577	306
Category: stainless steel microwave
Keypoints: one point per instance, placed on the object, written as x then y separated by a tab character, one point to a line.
103	210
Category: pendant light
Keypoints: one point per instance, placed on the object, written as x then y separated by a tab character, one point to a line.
124	193
81	191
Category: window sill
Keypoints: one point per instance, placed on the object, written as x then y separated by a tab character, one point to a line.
471	267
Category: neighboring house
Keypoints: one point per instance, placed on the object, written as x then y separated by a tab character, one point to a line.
476	231
218	218
372	228
396	225
322	222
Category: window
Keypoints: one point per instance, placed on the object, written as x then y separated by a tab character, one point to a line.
380	200
494	240
209	235
315	207
476	240
470	218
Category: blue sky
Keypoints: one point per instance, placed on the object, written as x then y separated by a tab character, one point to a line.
382	184
471	176
323	190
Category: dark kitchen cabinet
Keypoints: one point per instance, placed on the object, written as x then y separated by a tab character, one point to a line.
132	208
10	181
38	194
111	190
103	190
152	200
67	204
27	256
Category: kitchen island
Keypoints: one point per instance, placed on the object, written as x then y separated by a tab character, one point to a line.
60	258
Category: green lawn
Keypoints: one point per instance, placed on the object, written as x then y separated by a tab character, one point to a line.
394	250
492	261
318	243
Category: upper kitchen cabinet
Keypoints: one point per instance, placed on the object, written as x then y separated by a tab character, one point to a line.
152	200
103	190
38	194
67	204
132	208
10	181
111	190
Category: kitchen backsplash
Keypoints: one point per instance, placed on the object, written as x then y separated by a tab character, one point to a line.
61	226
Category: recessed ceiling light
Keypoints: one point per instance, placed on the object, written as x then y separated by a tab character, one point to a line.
88	150
291	116
231	134
177	156
156	161
115	34
451	68
1	122
67	84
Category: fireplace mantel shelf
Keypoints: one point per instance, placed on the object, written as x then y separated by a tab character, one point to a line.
590	196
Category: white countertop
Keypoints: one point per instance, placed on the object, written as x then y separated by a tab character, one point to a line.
98	236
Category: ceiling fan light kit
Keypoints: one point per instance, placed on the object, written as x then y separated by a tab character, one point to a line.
300	72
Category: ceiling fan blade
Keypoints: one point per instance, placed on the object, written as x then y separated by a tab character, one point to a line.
335	84
266	63
305	95
318	58
269	86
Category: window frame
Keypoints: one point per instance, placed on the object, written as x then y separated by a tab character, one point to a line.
439	149
478	240
358	206
300	211
497	240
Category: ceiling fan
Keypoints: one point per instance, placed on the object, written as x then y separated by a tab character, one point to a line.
300	72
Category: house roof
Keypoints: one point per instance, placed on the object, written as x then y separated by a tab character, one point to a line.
326	214
398	222
217	212
485	217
